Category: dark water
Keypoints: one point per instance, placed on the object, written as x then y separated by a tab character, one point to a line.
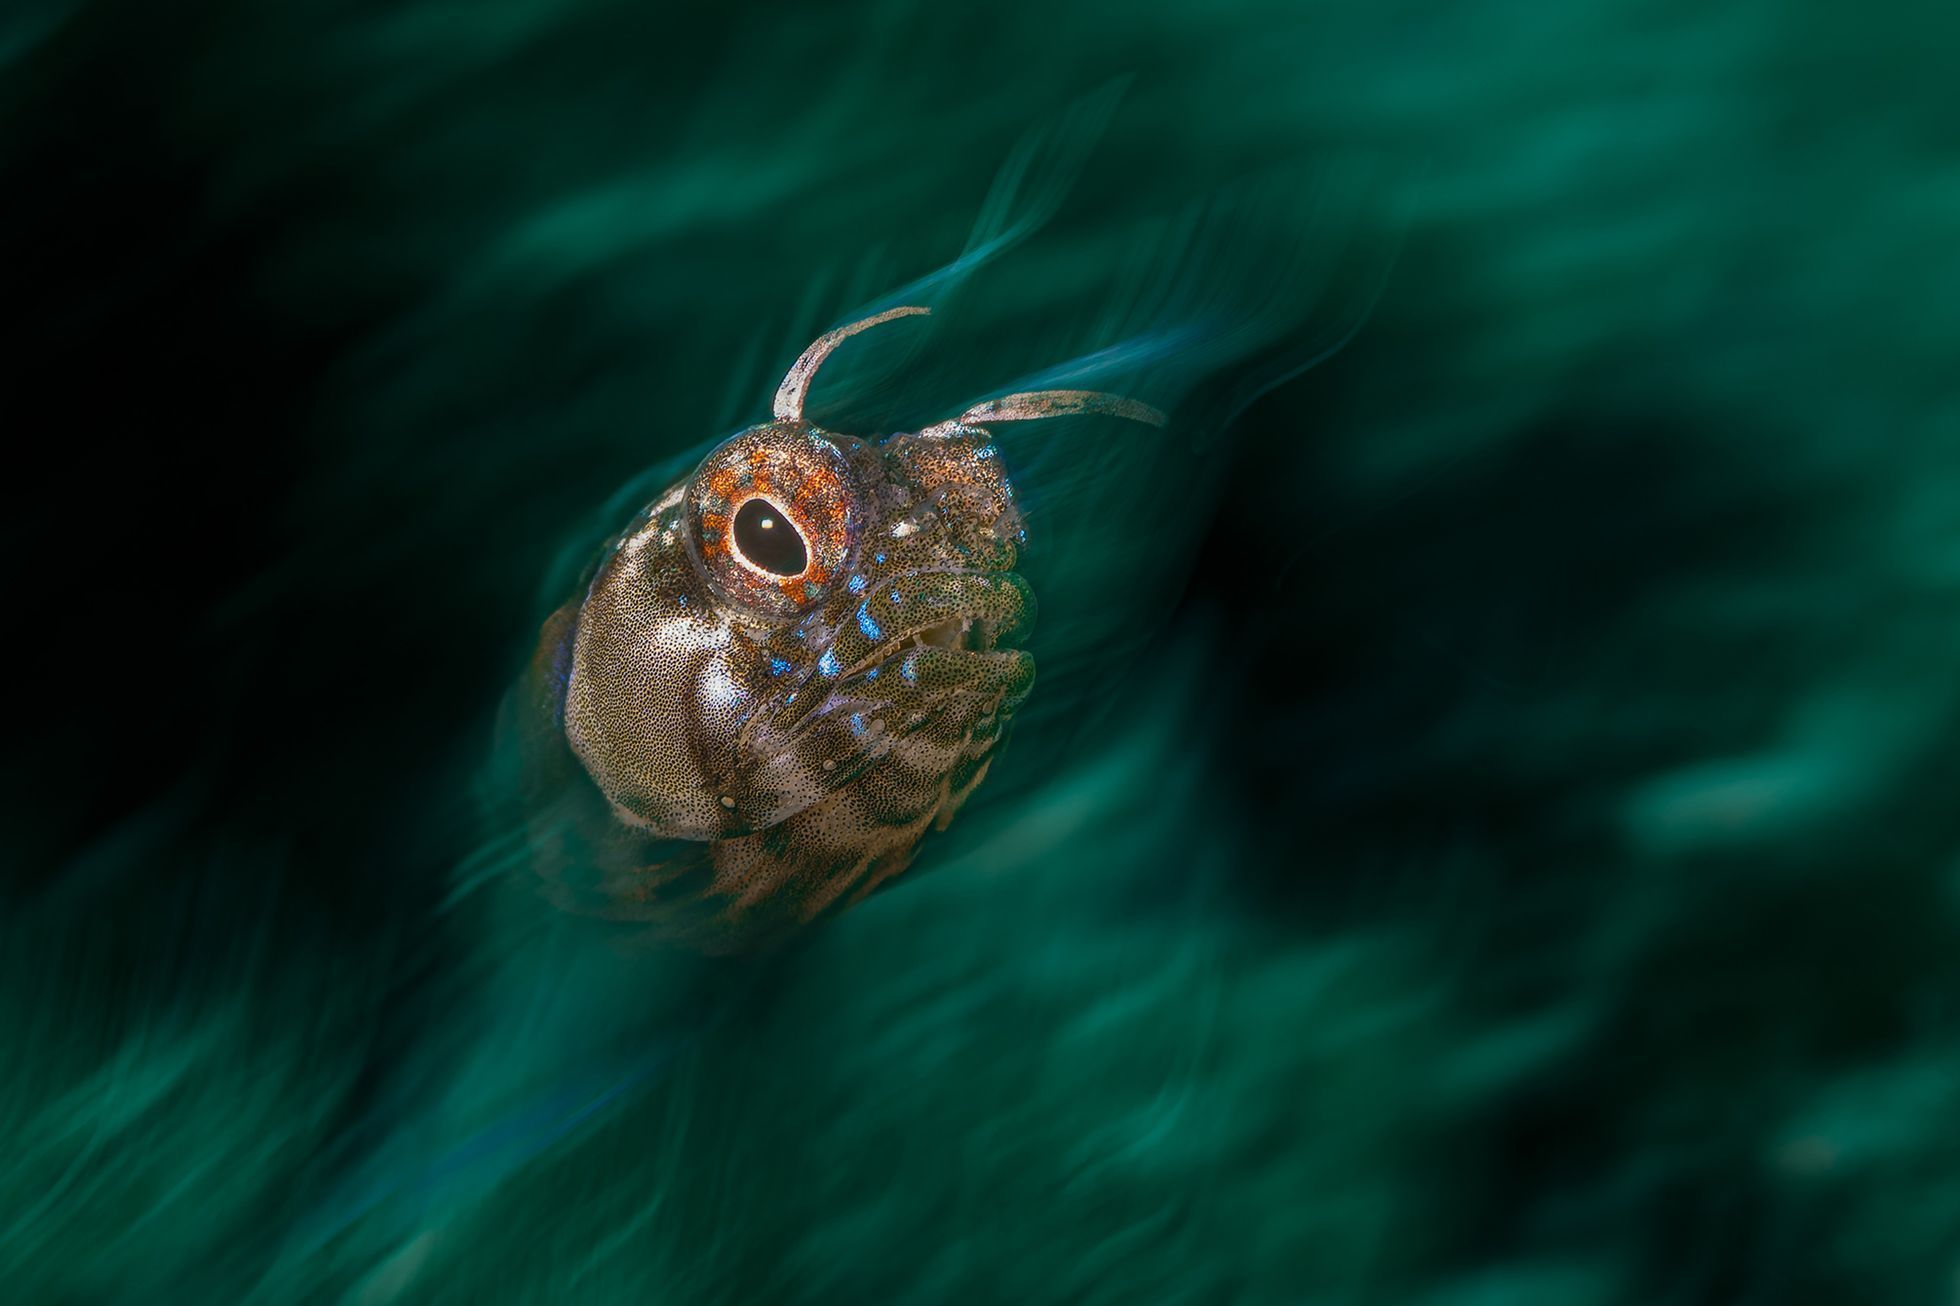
1486	828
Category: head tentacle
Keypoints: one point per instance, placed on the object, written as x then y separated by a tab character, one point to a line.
1033	404
796	382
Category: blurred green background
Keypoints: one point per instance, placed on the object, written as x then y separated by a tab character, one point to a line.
1486	828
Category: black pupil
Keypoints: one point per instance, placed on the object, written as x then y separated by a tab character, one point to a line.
766	538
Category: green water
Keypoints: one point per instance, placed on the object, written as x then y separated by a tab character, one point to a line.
1485	829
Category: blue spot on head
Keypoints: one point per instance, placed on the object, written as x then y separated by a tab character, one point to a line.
880	559
828	662
681	599
984	452
910	667
871	674
777	666
870	628
896	598
857	584
857	724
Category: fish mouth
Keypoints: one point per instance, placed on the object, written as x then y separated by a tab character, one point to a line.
966	667
956	634
976	613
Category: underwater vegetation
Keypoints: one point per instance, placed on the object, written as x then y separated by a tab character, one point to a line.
1484	825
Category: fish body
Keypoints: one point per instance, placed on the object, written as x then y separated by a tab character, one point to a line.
785	671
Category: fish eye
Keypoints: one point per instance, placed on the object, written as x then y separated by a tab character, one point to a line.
771	518
767	537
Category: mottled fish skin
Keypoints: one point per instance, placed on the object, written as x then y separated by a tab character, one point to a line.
724	748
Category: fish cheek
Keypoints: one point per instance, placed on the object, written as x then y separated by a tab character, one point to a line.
632	715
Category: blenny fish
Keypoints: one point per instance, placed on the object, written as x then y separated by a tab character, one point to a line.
785	670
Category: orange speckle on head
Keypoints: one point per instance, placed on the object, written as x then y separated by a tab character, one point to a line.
725	481
761	471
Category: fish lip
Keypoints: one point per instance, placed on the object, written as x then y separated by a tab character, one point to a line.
966	632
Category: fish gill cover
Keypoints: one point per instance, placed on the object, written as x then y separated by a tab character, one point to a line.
1485	827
